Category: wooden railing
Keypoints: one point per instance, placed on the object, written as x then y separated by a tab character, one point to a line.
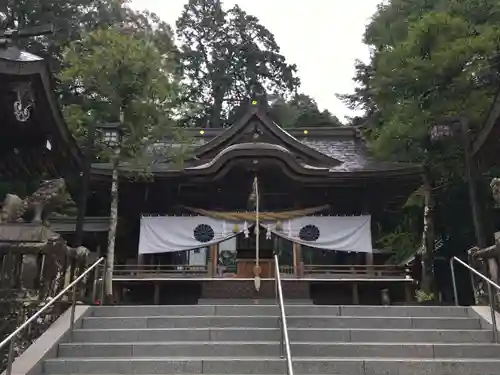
147	270
380	271
303	271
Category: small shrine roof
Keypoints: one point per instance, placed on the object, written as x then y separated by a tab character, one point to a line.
12	53
34	138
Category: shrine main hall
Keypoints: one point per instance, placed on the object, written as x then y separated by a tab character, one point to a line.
205	228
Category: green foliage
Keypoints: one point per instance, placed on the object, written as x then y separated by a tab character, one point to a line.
405	238
422	296
112	70
301	111
227	57
74	19
70	19
430	59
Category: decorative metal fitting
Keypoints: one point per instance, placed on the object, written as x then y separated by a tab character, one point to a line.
24	103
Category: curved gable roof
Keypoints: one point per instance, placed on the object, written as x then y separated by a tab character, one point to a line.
255	121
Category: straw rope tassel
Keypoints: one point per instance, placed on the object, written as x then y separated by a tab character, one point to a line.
257	234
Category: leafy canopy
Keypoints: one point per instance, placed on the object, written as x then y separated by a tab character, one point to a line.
429	59
300	111
227	57
112	70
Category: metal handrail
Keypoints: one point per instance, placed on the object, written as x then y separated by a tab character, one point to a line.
491	298
284	341
11	338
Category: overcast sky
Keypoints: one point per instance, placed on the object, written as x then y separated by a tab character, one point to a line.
323	37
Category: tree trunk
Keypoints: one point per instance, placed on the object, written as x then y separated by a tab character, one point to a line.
428	236
112	231
215	115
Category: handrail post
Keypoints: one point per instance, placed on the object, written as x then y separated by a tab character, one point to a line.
73	306
10	358
454	281
94	285
491	299
282	339
103	281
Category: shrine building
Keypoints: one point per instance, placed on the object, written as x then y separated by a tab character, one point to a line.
205	228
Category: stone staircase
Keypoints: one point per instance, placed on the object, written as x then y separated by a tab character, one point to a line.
244	339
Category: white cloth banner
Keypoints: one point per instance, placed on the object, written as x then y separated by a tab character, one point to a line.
341	233
179	233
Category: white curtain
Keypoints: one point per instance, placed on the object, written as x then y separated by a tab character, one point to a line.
341	233
180	233
166	234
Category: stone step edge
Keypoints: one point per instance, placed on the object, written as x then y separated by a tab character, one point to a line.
247	343
112	330
276	316
402	307
267	359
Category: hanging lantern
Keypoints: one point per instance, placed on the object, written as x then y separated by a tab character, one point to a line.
268	232
257	271
245	230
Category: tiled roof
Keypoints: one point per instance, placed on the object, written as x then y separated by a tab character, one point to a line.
351	152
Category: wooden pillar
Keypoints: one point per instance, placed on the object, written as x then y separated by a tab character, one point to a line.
140	261
300	261
156	298
369	263
295	259
355	293
212	260
369	259
408	293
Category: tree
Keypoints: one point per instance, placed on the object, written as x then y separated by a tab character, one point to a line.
301	111
71	21
134	79
227	56
429	59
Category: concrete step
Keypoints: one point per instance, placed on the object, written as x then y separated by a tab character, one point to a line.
272	322
266	309
403	311
252	301
272	334
350	366
256	349
176	334
192	310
